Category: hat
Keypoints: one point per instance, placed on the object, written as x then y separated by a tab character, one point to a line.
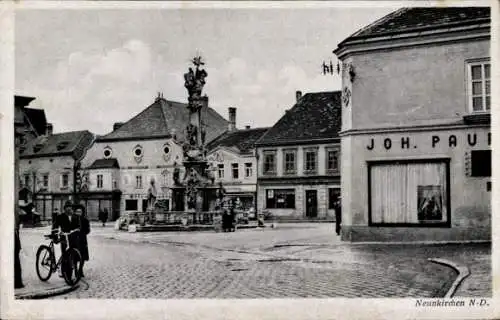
67	204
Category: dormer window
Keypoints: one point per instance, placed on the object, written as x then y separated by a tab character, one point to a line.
61	145
479	86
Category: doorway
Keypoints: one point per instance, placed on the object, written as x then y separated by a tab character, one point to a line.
311	203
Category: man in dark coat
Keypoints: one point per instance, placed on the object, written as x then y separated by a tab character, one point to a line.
84	231
338	216
67	221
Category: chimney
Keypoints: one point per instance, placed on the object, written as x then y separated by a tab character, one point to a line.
247	127
117	125
49	129
298	95
232	119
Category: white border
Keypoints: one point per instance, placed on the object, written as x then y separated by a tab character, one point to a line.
204	309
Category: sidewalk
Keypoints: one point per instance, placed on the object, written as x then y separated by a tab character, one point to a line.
34	288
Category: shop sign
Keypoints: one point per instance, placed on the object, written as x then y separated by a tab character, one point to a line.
436	141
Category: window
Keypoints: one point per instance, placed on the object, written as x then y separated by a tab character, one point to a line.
311	159
220	169
290	161
280	199
409	193
115	184
99	181
269	163
248	170
235	168
131	205
332	161
333	196
45	180
479	86
107	152
480	163
26	180
138	182
65	180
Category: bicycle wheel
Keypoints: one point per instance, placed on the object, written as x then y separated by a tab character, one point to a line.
44	262
71	264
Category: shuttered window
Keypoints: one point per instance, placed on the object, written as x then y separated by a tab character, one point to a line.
409	193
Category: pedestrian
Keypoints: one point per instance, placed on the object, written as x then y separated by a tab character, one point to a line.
83	246
103	216
18	279
338	216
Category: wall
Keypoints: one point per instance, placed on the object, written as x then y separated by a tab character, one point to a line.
408	86
54	166
227	158
470	200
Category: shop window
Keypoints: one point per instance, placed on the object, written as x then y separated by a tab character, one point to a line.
409	193
479	79
280	199
220	170
333	196
131	205
248	170
236	170
269	163
311	161
480	163
290	160
332	161
99	181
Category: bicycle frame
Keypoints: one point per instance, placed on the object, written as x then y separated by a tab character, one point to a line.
57	264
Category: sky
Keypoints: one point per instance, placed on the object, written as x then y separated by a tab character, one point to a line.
90	68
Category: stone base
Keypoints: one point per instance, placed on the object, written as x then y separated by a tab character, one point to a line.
411	234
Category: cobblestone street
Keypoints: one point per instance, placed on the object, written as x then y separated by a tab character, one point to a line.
291	261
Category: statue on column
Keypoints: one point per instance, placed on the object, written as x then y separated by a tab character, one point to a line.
194	81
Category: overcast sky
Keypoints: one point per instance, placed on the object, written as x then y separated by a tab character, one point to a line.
91	68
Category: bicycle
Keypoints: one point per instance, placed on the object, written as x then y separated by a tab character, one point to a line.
70	260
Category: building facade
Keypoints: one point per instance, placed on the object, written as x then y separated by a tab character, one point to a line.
47	169
299	160
416	156
234	164
119	168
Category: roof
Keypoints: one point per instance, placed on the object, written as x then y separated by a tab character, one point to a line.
37	118
162	119
407	20
316	116
243	140
74	143
105	164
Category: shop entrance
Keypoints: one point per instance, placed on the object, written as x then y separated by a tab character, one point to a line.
311	203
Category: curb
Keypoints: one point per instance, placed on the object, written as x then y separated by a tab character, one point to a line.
48	293
463	272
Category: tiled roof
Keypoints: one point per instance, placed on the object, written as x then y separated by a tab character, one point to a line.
419	19
72	143
37	118
316	116
105	164
163	118
243	140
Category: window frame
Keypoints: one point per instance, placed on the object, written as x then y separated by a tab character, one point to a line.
45	180
421	224
220	170
276	192
248	169
285	162
99	182
327	160
235	168
64	185
273	170
469	81
138	182
313	150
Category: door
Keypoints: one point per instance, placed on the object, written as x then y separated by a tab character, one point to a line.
311	203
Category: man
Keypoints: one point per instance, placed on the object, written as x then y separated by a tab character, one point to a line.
67	222
338	216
